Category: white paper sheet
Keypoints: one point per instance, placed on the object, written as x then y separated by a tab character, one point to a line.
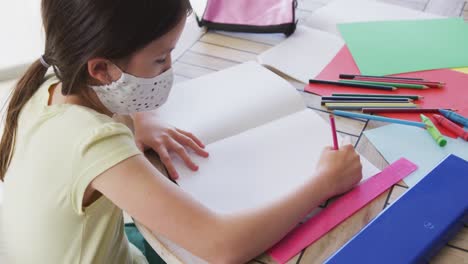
347	11
261	165
228	102
304	54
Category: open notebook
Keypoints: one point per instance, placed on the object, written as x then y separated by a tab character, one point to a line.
263	142
317	40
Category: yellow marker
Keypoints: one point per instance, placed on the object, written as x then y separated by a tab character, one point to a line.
433	131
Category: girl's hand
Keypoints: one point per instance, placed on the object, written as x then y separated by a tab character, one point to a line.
152	132
341	169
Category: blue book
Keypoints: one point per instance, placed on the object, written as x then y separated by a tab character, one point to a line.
416	226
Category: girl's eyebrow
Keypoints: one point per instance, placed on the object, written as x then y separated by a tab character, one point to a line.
169	50
164	52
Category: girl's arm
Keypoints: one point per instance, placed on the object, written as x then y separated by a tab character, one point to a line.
138	188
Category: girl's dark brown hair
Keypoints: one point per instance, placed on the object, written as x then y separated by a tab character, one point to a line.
78	30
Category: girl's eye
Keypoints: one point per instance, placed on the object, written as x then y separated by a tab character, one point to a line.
161	61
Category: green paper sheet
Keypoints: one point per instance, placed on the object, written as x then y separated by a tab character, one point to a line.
391	47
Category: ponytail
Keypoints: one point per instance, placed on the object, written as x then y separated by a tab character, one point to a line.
24	90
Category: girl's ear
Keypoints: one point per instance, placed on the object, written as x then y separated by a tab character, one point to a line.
102	71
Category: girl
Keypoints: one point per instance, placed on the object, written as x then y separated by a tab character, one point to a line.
69	169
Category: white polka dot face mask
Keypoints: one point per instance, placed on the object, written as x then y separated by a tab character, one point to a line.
131	94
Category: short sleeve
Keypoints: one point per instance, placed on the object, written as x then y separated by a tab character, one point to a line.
101	149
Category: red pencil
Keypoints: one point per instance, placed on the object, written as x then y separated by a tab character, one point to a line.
451	126
335	138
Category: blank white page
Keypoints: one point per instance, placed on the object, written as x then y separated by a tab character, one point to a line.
304	54
225	103
259	166
348	11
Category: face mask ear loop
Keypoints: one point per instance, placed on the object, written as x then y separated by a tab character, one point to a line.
109	77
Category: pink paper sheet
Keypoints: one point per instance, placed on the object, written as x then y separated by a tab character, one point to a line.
340	210
454	95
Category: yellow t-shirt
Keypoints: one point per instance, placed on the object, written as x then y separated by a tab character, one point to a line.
59	150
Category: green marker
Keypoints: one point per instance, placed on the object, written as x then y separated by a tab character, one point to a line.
433	131
398	85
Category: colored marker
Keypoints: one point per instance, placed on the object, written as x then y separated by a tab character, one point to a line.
457	118
335	137
433	131
379	118
440	120
398	85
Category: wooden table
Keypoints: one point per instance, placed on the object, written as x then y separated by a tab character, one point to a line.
204	53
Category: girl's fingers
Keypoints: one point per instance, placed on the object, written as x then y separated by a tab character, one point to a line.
176	141
166	160
182	153
184	140
191	136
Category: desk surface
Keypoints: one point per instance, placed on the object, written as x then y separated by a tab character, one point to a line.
209	52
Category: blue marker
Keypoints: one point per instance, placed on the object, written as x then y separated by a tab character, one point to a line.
457	118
